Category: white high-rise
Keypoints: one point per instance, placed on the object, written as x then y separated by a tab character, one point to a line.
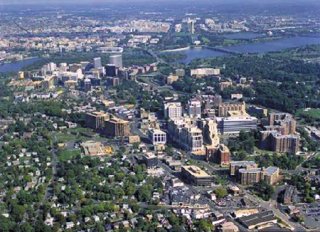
97	62
173	110
194	108
116	60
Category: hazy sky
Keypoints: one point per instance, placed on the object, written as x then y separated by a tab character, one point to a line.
132	1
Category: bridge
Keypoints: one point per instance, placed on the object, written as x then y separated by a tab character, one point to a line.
224	50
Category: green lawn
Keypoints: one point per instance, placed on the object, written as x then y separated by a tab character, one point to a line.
65	155
310	113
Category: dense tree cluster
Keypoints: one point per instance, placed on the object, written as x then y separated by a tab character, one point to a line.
284	161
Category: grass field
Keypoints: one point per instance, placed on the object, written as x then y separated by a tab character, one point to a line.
65	155
310	113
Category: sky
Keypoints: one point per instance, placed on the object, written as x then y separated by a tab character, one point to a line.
132	1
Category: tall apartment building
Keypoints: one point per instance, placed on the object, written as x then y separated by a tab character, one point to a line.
283	122
172	110
281	135
185	133
222	156
248	176
116	127
236	165
95	120
225	108
194	108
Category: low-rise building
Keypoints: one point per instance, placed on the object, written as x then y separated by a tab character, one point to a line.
203	72
258	220
195	175
150	160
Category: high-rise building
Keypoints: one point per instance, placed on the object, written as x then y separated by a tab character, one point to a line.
284	121
97	62
194	108
281	135
116	127
172	110
157	137
236	165
191	25
116	60
248	176
185	132
210	132
95	120
111	70
222	155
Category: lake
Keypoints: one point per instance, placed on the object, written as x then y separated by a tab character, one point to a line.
260	47
17	65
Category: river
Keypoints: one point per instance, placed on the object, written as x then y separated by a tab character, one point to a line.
259	48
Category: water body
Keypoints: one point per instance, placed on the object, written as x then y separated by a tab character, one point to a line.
243	35
17	65
258	48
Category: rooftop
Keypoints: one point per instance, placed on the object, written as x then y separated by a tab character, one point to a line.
258	218
196	171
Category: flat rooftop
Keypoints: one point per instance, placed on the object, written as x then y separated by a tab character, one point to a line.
258	218
196	171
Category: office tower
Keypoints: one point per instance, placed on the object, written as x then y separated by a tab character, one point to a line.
111	70
95	120
191	24
116	127
233	125
116	60
97	62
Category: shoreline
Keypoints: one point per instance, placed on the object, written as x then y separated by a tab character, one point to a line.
177	49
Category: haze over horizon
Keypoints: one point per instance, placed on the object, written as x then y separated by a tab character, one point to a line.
5	2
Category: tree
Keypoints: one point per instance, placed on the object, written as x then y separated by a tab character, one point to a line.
221	192
263	190
205	225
